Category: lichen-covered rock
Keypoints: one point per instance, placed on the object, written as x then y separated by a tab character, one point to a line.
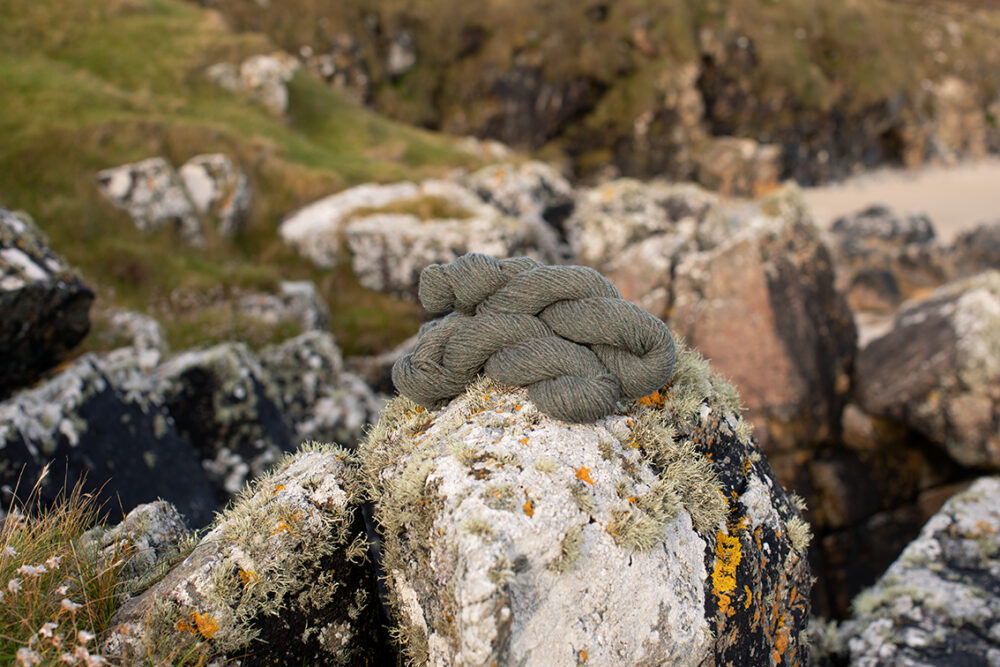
762	305
154	195
44	305
263	77
149	537
321	400
939	603
402	55
938	369
532	190
225	403
615	215
657	535
738	166
389	250
219	188
315	230
297	301
81	424
280	579
883	258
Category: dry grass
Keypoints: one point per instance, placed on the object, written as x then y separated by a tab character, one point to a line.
56	597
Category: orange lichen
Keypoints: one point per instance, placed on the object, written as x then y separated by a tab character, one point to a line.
524	440
749	600
583	656
728	555
529	509
583	474
202	624
248	576
277	488
655	400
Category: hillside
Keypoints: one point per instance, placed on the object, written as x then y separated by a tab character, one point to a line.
93	85
647	86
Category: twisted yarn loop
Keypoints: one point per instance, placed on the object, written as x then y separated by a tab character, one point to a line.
564	332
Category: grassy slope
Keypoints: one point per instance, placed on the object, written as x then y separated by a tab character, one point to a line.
88	85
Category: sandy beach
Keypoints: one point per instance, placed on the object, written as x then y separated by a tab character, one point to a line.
954	197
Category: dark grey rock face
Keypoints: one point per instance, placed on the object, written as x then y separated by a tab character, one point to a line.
938	370
127	451
44	306
939	603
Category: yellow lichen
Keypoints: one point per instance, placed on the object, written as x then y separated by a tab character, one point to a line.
728	555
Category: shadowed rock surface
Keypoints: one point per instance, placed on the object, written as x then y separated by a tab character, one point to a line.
938	369
44	305
280	579
656	535
86	426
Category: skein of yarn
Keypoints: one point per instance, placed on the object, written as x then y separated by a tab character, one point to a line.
564	332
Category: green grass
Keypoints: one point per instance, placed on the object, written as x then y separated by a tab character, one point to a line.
92	85
58	596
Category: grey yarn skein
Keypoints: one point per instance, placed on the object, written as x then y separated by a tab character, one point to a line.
564	332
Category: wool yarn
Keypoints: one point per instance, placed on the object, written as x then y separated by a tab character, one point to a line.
563	332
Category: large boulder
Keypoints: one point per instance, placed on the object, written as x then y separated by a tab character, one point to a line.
218	188
227	405
609	218
316	230
154	195
883	258
938	369
280	579
80	427
939	603
657	535
263	77
532	190
322	401
389	250
45	305
762	305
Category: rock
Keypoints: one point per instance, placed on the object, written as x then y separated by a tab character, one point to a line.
976	250
763	307
315	231
126	450
263	77
484	149
738	166
148	339
149	537
531	190
343	67
44	302
154	195
939	603
389	250
297	301
959	127
615	215
402	54
938	369
226	403
883	258
657	535
280	579
325	403
217	187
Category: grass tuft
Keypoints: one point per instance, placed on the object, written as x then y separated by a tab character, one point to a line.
56	596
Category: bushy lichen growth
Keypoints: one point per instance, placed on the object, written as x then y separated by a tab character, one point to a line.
569	550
